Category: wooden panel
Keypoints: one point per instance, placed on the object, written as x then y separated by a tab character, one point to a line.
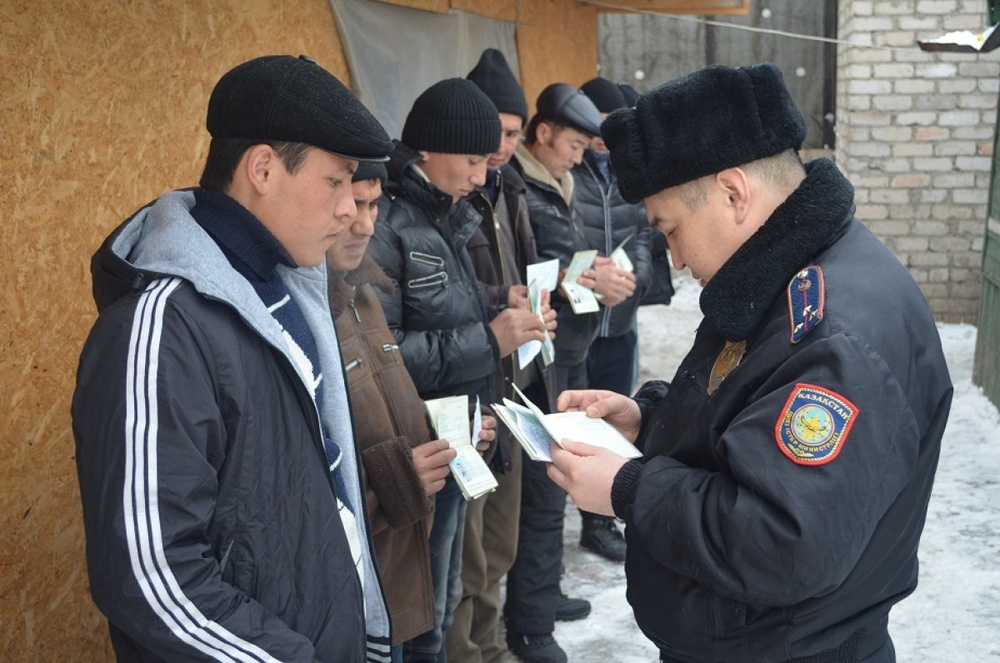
103	105
502	10
710	7
439	6
556	43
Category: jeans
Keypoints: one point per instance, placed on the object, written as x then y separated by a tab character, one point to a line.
446	574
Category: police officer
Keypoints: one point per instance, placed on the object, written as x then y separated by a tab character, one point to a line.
786	470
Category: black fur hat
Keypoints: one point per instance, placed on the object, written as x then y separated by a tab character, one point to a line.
284	98
494	77
700	124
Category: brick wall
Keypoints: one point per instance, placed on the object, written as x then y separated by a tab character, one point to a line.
915	137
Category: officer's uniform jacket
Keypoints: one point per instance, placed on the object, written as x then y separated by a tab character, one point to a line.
779	516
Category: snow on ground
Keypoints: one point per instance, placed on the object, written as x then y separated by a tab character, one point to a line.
954	614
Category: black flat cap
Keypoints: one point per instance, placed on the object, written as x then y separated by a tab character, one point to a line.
563	103
284	98
701	124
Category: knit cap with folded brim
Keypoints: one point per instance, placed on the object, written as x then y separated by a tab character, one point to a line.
453	116
494	77
701	124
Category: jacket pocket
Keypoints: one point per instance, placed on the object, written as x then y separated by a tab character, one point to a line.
440	278
427	259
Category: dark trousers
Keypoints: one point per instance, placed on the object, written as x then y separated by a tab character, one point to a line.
533	580
884	654
610	365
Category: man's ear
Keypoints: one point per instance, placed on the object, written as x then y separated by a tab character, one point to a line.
736	187
259	165
543	133
424	155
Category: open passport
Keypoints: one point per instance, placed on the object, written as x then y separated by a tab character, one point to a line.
536	431
450	417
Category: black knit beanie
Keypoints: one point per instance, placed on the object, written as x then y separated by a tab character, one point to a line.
453	116
605	94
629	93
701	124
370	170
494	77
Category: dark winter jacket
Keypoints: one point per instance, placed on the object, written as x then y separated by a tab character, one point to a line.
436	311
608	220
212	526
779	517
558	235
389	420
501	249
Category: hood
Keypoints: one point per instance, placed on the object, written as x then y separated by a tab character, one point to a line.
533	169
162	240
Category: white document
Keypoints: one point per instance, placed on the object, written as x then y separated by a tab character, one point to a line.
450	417
536	431
540	275
582	299
620	257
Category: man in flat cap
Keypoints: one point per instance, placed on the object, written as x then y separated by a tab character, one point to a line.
786	469
215	452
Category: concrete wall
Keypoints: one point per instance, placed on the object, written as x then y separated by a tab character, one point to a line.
915	136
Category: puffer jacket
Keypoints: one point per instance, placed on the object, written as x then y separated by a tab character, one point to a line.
558	235
500	250
608	220
778	518
436	312
212	527
389	420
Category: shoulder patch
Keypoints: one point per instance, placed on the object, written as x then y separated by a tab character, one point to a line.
814	424
806	295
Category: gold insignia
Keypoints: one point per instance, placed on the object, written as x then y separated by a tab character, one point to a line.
728	359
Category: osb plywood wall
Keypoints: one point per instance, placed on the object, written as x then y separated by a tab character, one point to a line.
103	107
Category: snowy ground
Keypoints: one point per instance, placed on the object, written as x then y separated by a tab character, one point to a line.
954	615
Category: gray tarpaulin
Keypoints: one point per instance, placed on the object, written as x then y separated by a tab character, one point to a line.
395	53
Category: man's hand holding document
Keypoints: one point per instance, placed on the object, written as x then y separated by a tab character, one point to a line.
536	431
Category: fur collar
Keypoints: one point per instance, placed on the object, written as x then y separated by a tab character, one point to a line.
342	286
737	299
533	168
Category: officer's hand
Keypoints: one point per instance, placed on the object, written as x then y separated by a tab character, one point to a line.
587	473
618	410
431	462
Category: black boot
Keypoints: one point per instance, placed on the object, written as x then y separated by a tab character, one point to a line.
536	648
599	534
570	610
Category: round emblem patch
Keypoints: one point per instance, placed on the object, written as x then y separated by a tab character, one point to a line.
814	424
